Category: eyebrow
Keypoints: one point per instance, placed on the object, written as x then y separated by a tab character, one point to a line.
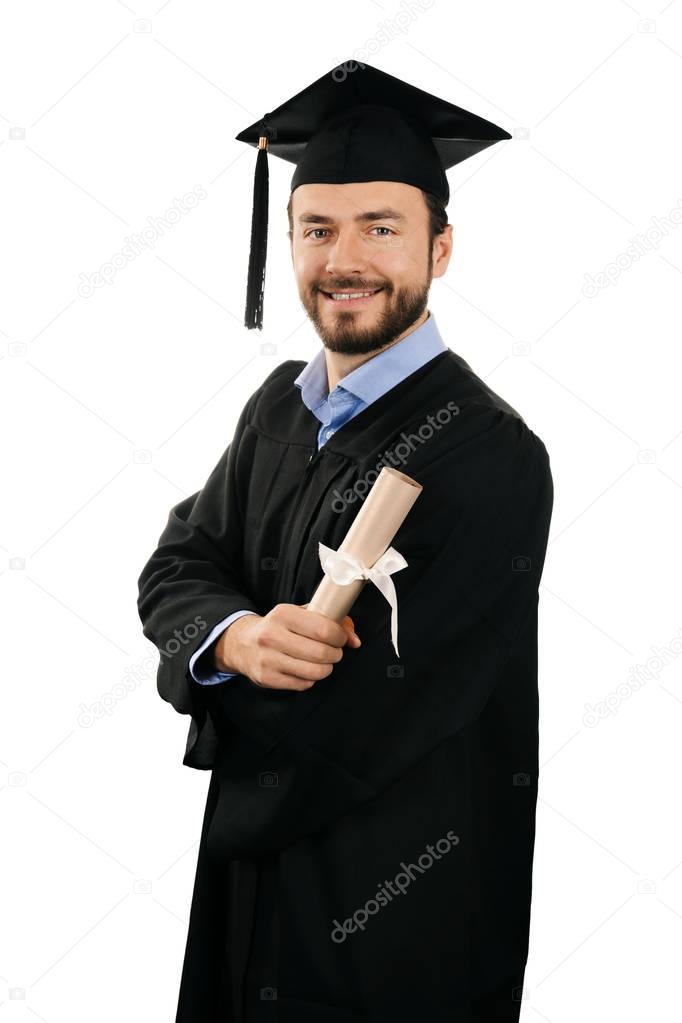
387	213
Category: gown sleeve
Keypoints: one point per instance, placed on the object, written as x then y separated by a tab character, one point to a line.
475	545
193	580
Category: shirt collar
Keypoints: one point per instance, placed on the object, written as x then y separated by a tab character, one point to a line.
380	373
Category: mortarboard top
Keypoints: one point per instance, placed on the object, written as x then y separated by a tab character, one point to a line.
357	124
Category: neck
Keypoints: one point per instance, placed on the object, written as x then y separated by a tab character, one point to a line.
339	365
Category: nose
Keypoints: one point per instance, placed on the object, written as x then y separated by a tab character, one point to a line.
346	256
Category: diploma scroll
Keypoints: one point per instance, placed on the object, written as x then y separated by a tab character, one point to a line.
365	553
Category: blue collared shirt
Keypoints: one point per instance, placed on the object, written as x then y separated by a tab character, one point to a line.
352	394
367	382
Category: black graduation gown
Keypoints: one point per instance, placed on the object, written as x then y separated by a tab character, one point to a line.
367	844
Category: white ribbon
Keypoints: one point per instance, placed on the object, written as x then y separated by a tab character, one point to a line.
344	568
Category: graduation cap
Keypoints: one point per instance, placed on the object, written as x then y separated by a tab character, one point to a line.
356	123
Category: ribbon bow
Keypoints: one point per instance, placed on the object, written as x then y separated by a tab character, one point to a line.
344	568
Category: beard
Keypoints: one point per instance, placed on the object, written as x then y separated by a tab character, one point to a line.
342	333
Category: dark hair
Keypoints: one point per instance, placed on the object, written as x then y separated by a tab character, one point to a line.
438	217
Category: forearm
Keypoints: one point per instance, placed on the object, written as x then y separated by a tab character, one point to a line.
190	584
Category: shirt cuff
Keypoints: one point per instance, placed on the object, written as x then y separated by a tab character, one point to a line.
204	675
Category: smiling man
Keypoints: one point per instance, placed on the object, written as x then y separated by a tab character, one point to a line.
364	266
367	844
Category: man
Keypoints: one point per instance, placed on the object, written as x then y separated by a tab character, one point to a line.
367	844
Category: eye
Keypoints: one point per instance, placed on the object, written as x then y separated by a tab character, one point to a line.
317	230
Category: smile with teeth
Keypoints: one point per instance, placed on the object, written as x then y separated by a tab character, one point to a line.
350	296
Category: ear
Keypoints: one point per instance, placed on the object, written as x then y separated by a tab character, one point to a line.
442	251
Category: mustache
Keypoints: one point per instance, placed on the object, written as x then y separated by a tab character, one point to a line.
350	286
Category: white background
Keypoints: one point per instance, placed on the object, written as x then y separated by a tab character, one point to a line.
117	404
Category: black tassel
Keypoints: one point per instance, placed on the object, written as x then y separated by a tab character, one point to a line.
255	287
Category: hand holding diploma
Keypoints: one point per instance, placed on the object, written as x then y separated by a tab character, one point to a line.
285	649
289	649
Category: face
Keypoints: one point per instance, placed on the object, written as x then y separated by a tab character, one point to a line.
364	237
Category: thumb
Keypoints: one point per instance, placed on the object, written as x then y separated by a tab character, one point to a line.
349	626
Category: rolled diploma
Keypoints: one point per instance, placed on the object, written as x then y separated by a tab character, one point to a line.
383	512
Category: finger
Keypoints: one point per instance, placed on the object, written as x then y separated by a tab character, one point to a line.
300	669
292	644
314	625
349	625
283	681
